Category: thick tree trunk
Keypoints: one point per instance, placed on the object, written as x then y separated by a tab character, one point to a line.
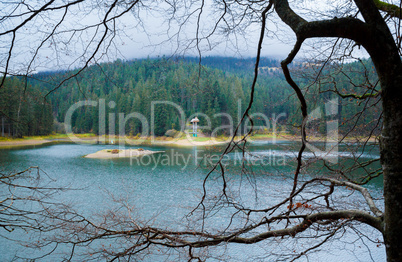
385	56
391	160
389	69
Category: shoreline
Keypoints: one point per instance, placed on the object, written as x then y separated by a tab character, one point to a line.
99	140
182	142
18	143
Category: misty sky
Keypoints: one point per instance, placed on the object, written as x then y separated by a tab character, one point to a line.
142	32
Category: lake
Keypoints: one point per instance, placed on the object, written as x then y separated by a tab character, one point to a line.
163	188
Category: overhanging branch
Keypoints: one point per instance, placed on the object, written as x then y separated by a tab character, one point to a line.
183	239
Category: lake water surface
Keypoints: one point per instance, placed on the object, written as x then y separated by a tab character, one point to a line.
165	187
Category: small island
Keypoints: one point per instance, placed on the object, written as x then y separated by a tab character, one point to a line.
117	153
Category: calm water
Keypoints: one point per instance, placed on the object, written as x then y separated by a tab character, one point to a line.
163	188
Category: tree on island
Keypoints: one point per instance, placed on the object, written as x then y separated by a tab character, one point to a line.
371	24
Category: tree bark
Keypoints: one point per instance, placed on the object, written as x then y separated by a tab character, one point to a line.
391	160
389	69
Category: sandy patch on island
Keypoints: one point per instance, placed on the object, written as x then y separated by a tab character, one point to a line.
116	153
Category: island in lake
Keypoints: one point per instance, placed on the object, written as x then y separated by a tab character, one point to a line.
118	153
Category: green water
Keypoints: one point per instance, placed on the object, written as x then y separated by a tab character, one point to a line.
165	187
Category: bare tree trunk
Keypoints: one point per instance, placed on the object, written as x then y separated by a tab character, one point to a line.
391	160
388	64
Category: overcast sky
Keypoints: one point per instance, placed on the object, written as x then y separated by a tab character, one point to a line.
142	32
139	34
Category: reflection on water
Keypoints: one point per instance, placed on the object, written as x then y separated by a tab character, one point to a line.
165	187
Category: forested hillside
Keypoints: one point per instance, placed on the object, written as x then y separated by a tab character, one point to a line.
222	85
23	110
